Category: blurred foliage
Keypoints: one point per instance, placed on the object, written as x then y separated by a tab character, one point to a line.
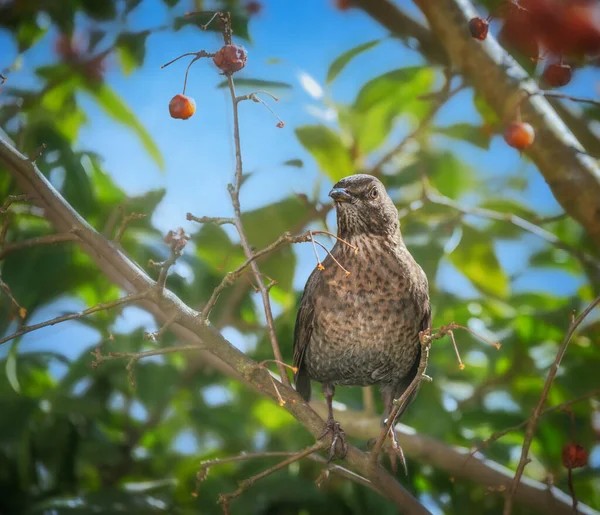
83	441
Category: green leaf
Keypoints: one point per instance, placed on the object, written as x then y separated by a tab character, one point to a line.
475	258
11	366
342	61
114	106
448	173
297	163
328	150
171	3
131	50
257	84
478	136
28	33
488	115
383	99
101	10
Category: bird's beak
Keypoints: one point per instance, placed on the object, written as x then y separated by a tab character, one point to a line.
340	195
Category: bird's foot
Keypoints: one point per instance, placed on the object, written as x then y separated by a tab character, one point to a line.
339	444
395	451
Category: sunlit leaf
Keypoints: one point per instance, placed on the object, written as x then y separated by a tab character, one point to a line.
478	136
342	61
131	49
328	150
475	258
114	106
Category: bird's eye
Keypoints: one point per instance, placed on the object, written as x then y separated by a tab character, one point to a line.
374	193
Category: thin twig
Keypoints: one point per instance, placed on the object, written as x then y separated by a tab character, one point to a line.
157	335
234	191
74	316
50	239
210	219
13	198
197	55
134	357
499	434
513	219
556	94
532	422
125	222
234	275
177	241
225	499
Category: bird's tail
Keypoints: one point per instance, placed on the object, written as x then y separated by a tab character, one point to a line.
302	382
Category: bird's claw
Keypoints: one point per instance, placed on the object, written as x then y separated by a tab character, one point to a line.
395	451
338	437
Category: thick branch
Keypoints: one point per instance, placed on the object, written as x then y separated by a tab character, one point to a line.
458	463
573	177
190	328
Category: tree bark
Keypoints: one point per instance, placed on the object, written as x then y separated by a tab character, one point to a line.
573	176
223	356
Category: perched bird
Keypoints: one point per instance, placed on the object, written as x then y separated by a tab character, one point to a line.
359	325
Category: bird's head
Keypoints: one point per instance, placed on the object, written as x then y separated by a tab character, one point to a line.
364	207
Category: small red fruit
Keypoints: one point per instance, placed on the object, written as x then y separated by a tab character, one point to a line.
231	58
253	8
558	74
574	456
182	107
479	28
519	135
343	5
280	125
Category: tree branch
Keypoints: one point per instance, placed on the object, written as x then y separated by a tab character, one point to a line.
190	328
49	239
532	423
573	177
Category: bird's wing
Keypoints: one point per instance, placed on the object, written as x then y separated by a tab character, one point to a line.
303	332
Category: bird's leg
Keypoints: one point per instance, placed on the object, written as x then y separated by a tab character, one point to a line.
333	427
395	451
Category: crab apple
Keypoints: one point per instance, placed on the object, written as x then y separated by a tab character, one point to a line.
231	58
343	5
574	456
479	28
558	74
253	8
182	107
519	135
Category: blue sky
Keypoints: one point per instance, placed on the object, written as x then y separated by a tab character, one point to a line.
305	37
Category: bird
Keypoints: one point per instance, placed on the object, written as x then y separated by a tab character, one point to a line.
363	308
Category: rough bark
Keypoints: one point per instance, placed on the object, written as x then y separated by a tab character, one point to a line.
573	176
223	356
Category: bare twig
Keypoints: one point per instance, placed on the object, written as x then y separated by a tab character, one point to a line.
234	191
496	436
125	222
556	94
225	499
157	335
13	198
38	152
134	357
197	55
177	240
6	289
532	422
210	219
74	316
50	239
513	219
234	275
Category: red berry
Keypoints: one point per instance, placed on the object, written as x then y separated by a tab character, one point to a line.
253	8
519	135
479	28
518	31
182	107
343	5
280	125
574	456
558	74
231	58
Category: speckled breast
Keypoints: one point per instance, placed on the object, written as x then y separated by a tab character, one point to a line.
366	324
